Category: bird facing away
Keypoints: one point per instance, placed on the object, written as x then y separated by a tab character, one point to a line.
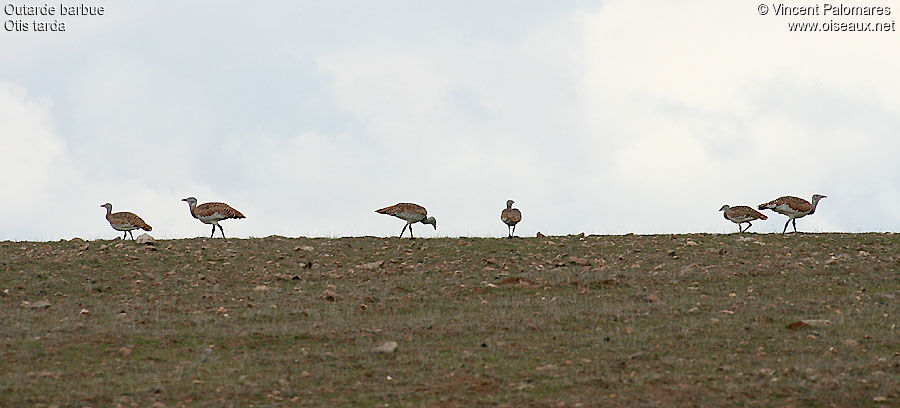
510	216
212	213
741	214
125	221
411	213
793	207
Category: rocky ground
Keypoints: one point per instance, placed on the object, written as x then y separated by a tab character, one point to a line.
662	320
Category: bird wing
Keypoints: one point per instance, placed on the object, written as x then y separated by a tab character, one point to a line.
795	203
743	211
209	209
128	218
511	215
403	207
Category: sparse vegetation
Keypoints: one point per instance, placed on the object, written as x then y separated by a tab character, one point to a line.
681	320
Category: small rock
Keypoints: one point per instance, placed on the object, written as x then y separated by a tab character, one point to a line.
371	265
799	324
103	246
386	348
260	288
690	243
145	238
76	239
651	298
303	248
40	304
863	253
580	261
85	311
329	295
539	235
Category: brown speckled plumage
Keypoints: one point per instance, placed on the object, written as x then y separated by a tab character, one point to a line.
208	209
795	203
793	208
411	213
401	208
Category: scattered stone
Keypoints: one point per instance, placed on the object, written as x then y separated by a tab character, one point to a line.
103	246
329	295
303	248
539	235
863	253
260	288
547	367
799	324
516	280
651	298
580	261
371	265
690	242
76	239
831	260
40	304
386	348
85	311
145	238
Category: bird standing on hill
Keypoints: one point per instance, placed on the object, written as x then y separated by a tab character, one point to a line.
411	213
212	213
793	207
741	214
510	216
125	221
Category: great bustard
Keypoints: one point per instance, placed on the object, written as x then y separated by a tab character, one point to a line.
793	207
125	221
741	214
212	213
510	216
411	213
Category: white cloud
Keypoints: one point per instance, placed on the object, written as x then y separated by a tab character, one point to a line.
639	115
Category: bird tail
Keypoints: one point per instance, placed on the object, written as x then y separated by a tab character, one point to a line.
385	210
146	227
237	214
763	216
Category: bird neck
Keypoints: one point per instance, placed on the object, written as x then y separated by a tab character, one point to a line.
108	211
815	202
509	206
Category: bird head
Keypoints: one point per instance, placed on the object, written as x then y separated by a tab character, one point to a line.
430	220
190	200
724	207
108	206
509	203
817	197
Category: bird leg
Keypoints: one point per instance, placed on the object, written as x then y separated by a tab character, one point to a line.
132	235
410	231
213	231
404	230
514	231
795	224
125	236
220	229
748	226
785	226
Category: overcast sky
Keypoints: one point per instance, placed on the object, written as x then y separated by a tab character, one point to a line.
605	117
